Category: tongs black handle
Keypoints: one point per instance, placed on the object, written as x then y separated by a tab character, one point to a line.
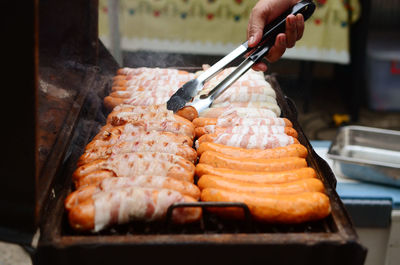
278	25
271	31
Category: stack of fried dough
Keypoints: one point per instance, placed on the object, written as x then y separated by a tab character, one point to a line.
141	161
247	153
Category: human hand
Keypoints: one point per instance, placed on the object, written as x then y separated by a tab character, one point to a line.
264	12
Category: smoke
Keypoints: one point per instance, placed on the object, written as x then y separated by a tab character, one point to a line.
166	60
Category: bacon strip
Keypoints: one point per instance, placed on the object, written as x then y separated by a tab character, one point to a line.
249	141
131	204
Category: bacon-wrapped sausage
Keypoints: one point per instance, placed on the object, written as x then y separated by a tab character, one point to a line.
237	121
133	164
246	130
249	141
137	134
155	182
154	146
124	205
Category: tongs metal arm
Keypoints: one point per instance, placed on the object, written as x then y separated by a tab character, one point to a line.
277	26
238	72
304	7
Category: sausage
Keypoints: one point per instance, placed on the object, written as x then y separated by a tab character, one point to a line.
151	146
119	77
104	132
292	150
228	122
137	100
115	87
130	72
249	141
252	104
111	102
185	126
96	176
248	113
272	129
124	115
188	112
93	178
297	186
141	109
149	85
286	209
244	112
166	126
169	126
121	94
139	135
252	164
245	97
120	82
201	121
82	194
161	126
109	133
249	92
130	204
127	165
148	156
257	176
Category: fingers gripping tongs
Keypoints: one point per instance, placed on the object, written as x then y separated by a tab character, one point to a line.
183	97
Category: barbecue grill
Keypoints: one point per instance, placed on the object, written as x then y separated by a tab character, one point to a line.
71	72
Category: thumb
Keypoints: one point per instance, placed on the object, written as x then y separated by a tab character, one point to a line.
257	22
262	13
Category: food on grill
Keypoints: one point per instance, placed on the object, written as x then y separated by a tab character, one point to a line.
123	205
218	107
148	126
249	141
128	114
130	73
142	160
188	112
84	193
237	121
136	164
299	186
251	164
293	150
250	130
243	97
238	112
130	133
248	153
142	99
256	176
123	147
287	208
145	87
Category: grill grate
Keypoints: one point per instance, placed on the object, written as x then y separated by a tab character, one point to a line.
209	224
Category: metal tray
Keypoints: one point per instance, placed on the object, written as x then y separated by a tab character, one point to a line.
368	154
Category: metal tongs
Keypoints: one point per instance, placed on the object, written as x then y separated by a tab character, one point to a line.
184	96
